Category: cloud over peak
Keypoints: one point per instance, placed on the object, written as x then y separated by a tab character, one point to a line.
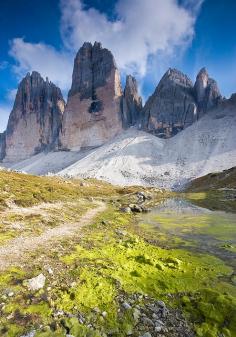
141	29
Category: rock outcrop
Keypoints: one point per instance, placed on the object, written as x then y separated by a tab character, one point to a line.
206	92
93	113
177	103
35	120
2	145
172	107
132	103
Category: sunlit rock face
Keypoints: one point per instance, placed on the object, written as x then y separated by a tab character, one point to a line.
93	113
132	103
35	120
172	107
206	92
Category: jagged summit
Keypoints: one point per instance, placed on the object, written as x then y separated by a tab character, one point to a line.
93	113
132	102
177	103
172	107
35	120
206	91
92	66
98	109
177	76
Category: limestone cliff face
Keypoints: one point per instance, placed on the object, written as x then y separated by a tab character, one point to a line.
172	107
206	91
2	145
132	103
93	112
177	103
35	120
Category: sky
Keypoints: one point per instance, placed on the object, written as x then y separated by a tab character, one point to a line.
146	38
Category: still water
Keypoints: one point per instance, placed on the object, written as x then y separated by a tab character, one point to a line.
177	223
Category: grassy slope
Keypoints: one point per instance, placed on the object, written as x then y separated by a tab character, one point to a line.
216	191
214	181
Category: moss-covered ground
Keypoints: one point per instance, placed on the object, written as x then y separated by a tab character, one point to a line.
114	256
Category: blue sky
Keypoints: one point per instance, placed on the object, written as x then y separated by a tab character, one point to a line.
146	38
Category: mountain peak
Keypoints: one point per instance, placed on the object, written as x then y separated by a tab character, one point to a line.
35	120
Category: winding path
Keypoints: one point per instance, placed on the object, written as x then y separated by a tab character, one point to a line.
13	252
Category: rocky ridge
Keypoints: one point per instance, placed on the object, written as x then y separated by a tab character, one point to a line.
35	120
98	109
177	103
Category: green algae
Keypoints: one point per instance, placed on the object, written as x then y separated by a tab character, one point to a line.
130	264
112	258
213	313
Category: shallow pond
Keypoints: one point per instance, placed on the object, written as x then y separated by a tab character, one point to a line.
177	223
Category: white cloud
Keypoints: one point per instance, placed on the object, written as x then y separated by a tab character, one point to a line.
11	95
4	114
57	66
143	28
3	65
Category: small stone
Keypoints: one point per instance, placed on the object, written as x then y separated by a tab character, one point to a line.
59	313
158	328
104	314
97	310
126	306
159	322
37	282
30	334
147	334
161	304
121	232
148	321
136	314
125	209
10	294
50	271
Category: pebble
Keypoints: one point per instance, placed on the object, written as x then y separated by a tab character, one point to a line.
147	334
50	271
37	282
30	334
126	306
147	321
161	304
136	314
10	294
158	328
104	314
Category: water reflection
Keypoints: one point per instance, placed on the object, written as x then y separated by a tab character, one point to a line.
180	224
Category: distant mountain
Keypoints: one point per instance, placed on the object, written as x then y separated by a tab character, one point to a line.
138	158
98	109
35	119
177	103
